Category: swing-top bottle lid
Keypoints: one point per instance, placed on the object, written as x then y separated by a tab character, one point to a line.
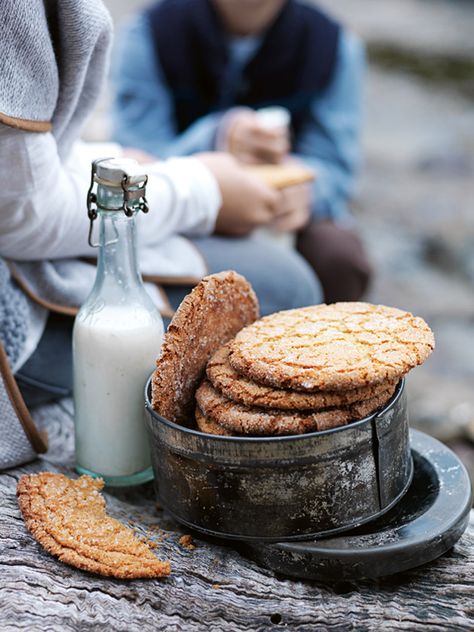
113	172
120	173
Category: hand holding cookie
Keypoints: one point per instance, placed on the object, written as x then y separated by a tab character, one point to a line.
248	202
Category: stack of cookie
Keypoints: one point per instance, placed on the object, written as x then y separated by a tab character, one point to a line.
292	372
309	369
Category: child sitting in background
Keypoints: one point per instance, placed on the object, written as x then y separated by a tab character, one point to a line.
189	76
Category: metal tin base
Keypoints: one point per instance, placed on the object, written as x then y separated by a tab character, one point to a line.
426	523
298	538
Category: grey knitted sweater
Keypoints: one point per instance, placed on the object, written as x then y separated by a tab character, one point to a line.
54	57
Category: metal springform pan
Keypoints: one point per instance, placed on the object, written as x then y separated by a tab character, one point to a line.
286	487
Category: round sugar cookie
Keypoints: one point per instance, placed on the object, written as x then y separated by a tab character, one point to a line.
244	391
210	427
217	308
248	420
332	347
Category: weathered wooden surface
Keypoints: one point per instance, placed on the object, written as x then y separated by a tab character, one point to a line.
212	588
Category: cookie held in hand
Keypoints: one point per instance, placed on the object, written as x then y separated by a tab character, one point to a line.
281	176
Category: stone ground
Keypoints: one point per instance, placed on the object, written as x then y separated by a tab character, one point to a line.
415	202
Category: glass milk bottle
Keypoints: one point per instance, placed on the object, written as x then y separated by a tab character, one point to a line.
117	335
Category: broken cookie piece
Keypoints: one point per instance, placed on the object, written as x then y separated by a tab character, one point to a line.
68	518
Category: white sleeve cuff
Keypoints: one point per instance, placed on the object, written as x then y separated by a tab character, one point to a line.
196	197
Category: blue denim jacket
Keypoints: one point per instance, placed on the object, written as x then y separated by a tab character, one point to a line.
142	116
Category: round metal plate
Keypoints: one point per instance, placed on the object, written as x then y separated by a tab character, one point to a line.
426	523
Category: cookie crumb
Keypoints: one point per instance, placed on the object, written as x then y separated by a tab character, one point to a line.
187	542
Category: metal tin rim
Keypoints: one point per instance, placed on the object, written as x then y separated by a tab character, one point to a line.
270	439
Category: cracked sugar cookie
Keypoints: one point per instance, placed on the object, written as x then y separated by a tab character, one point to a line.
250	420
217	308
244	391
210	427
332	347
281	176
68	518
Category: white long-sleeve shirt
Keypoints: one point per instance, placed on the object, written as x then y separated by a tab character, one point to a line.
43	212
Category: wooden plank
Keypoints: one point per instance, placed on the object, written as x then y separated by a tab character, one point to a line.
212	587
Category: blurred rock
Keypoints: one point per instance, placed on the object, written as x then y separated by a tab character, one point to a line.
470	431
452	253
444	27
448	163
466	454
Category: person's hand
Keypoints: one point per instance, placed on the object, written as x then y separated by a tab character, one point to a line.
247	203
251	143
293	209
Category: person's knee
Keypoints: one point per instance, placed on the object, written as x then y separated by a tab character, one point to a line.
338	257
301	283
348	252
289	283
281	278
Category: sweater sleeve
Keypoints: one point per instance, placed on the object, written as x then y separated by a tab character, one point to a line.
142	109
42	207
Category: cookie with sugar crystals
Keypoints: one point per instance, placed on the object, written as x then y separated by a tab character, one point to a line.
244	391
332	347
210	427
216	309
248	420
68	518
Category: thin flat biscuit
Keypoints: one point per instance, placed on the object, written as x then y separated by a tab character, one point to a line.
281	176
332	347
217	308
244	391
68	518
210	427
255	421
